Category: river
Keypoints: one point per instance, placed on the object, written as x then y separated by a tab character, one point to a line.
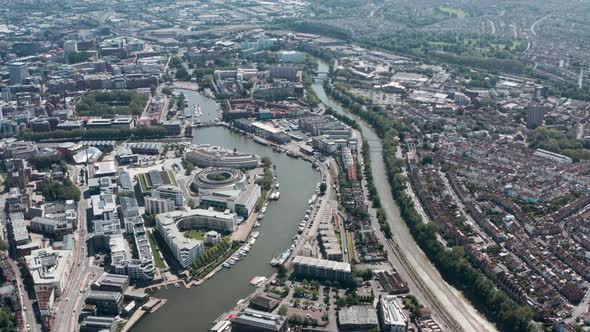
459	308
195	309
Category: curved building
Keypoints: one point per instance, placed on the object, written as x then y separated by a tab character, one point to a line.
215	156
215	178
172	226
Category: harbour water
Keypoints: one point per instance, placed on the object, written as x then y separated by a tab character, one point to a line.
195	309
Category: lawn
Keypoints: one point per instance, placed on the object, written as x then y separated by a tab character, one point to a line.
453	11
339	236
172	178
350	243
194	234
157	258
143	183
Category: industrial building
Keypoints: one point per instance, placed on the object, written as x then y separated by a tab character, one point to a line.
357	318
250	320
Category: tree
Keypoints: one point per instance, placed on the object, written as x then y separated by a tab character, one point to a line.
266	162
56	191
192	204
283	310
323	187
281	272
427	160
6	320
167	91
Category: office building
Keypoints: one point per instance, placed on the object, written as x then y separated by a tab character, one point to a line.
129	211
291	56
50	269
70	46
104	206
18	229
214	156
246	201
171	226
322	268
250	320
290	73
535	114
107	303
97	324
172	193
155	206
56	228
111	283
391	315
18	72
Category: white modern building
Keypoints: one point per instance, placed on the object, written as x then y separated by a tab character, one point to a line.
391	314
172	226
50	269
322	268
103	206
215	156
291	56
155	206
172	193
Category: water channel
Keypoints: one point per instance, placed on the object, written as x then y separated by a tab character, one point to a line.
195	309
464	314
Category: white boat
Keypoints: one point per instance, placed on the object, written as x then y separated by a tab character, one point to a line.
263	210
226	265
260	140
257	281
281	259
277	195
277	185
255	234
300	229
301	224
257	224
260	216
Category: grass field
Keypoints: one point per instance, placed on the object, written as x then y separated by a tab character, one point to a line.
194	234
350	243
157	258
453	11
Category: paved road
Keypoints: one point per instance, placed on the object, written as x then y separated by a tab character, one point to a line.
27	305
532	28
72	299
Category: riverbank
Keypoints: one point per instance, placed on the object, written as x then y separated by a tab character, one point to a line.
280	224
434	291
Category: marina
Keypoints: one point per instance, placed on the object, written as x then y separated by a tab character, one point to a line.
231	282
